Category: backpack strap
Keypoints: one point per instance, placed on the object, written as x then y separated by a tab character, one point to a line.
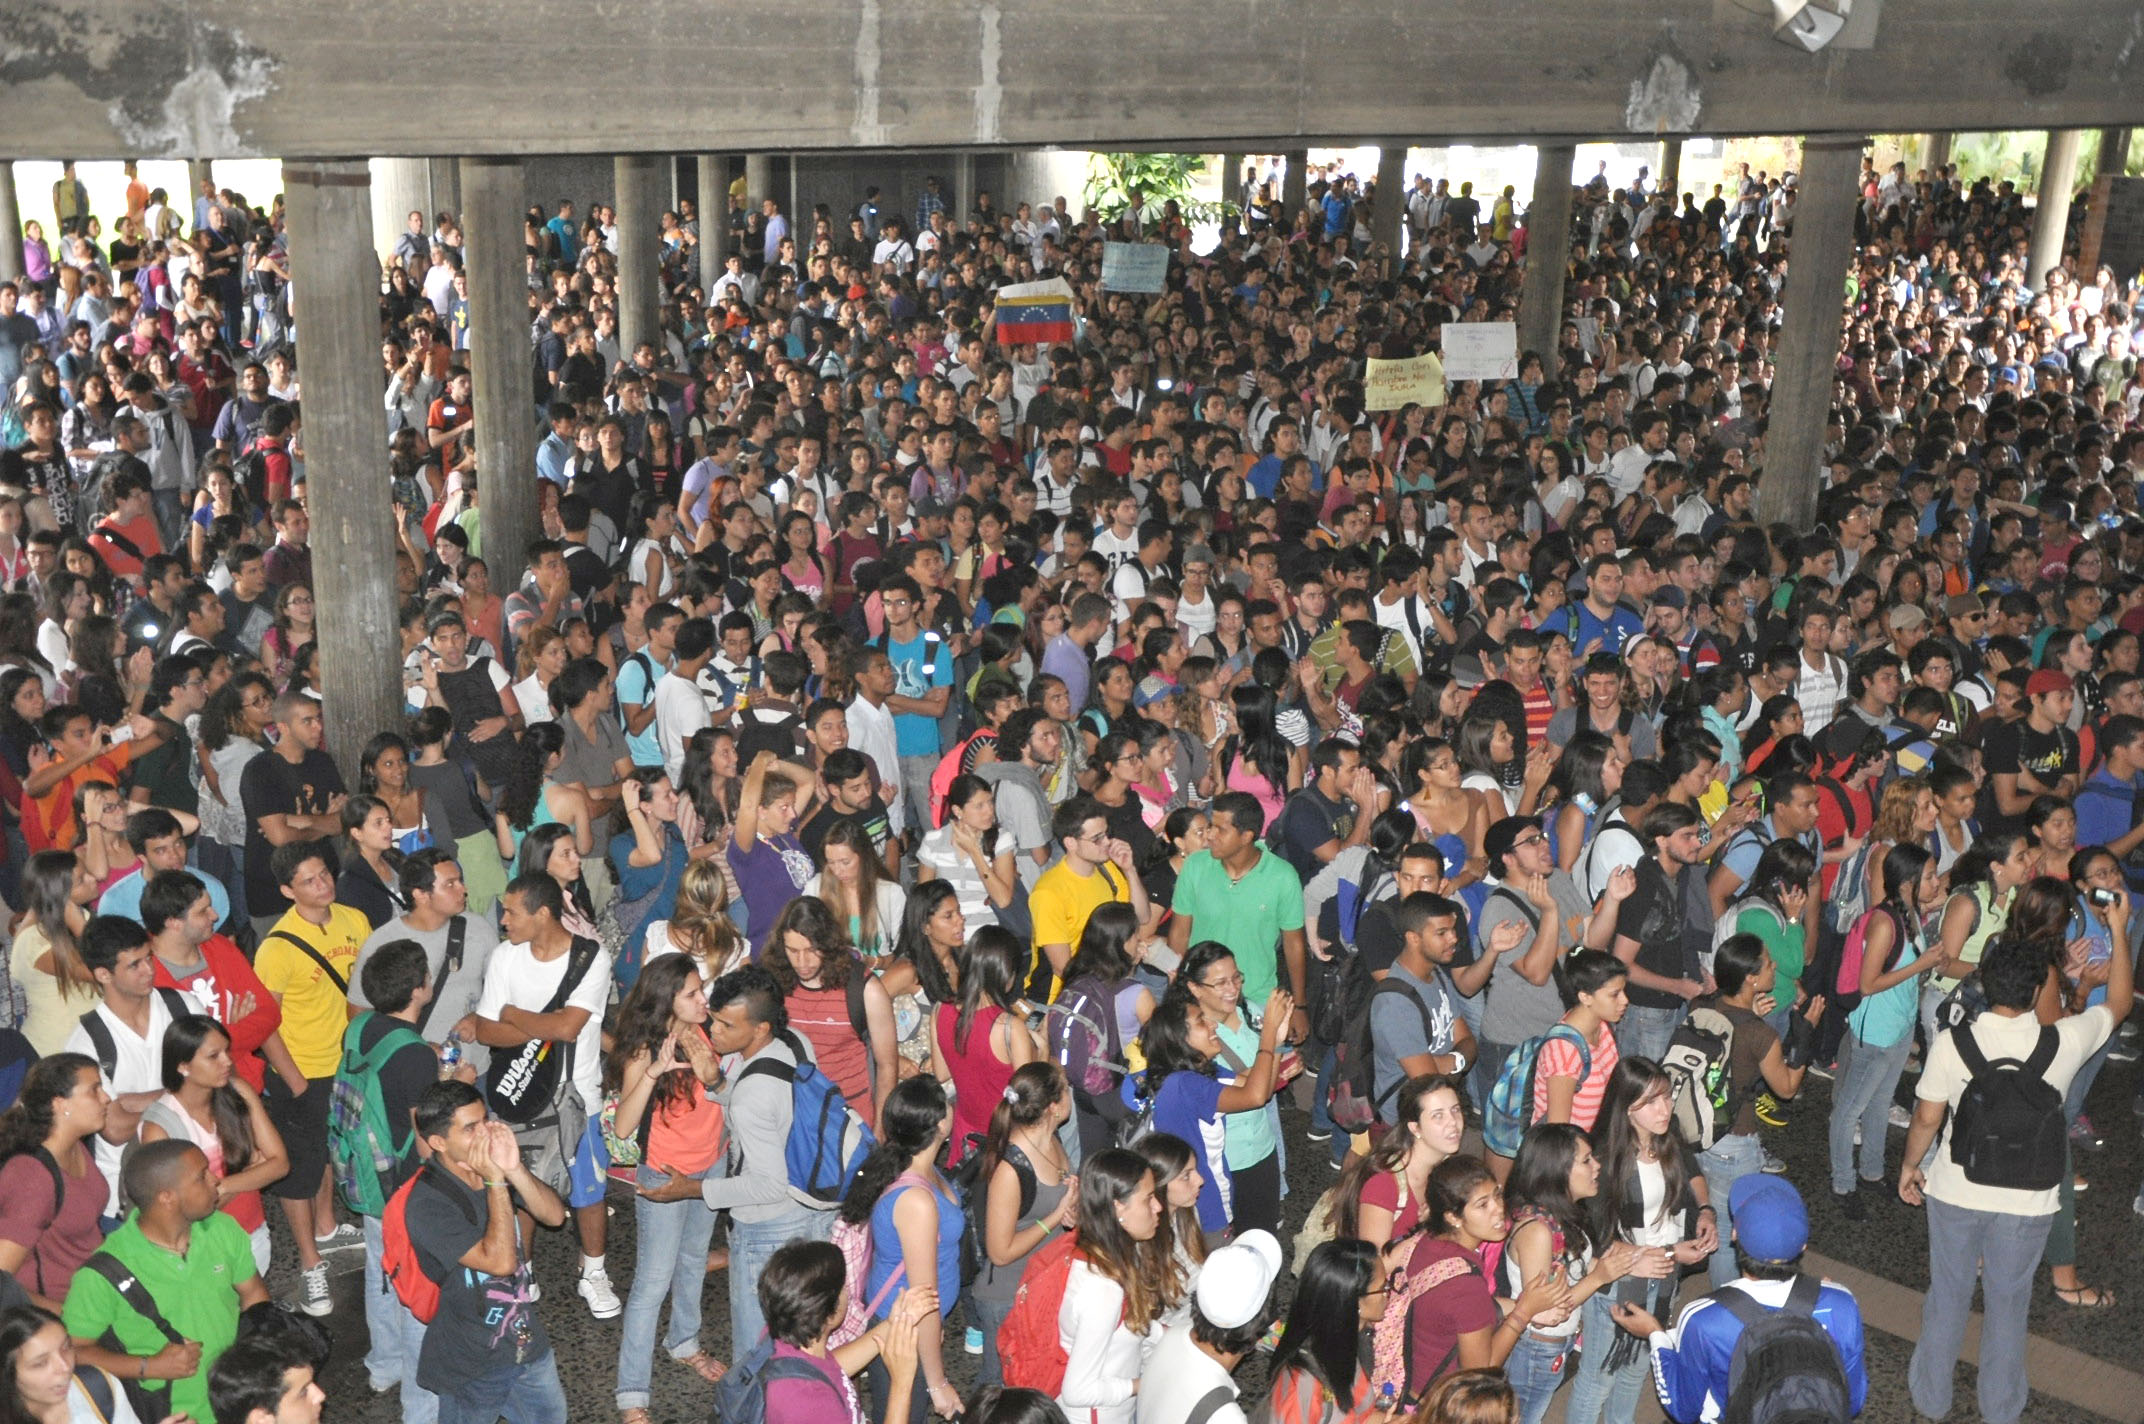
1742	1306
98	1386
1976	1062
2043	1052
100	1038
854	992
457	939
1210	1403
1429	1031
342	985
123	1280
1803	1295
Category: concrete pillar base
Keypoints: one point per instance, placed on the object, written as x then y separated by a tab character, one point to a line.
10	225
638	210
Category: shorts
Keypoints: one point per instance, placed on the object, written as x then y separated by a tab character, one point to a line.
551	1143
588	1175
303	1121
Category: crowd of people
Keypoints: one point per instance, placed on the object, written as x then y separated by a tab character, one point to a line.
955	816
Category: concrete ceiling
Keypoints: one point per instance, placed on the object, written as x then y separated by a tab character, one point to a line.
318	78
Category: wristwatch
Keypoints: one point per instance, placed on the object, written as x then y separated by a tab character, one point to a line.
1459	1062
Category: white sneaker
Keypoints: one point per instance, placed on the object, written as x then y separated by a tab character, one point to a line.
1900	1118
603	1302
343	1238
316	1301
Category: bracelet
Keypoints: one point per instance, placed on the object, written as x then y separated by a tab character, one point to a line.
141	1370
1709	1207
500	1183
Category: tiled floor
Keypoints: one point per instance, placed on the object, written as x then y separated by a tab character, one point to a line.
1891	1246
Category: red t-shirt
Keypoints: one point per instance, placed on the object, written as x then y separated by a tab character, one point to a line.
224	979
1383	1190
141	533
1443	1313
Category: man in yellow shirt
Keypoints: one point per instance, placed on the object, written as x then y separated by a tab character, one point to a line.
305	961
1095	869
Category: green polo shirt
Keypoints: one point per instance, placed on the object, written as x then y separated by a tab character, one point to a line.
197	1293
1248	916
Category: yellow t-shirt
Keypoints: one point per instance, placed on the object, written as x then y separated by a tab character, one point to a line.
315	1012
1061	902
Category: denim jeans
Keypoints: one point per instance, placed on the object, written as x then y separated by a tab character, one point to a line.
2003	1251
396	1337
1868	1076
669	1257
2073	1104
520	1394
752	1245
1644	1033
1594	1387
1321	1115
1726	1162
987	1316
1535	1371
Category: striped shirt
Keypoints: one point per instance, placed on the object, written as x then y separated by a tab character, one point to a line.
1559	1059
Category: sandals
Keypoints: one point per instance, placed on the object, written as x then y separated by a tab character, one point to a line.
635	1416
718	1259
704	1365
2086	1298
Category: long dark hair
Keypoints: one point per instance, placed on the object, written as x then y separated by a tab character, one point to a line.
1619	1141
808	915
913	1113
1033	1090
234	1126
644	1024
17	1327
25	1126
523	786
1101	954
1324	1329
1258	742
1541	1180
1391	1152
1166	1040
535	859
1170	1157
991	965
913	943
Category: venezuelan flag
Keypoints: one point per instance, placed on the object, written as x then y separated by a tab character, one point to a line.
1034	312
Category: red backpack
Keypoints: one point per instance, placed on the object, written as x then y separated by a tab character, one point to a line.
398	1258
1028	1347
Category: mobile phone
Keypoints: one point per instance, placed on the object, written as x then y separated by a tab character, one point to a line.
2101	898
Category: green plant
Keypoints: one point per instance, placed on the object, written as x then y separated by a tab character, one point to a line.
1159	178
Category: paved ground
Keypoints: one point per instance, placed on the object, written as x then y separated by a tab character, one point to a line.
2085	1364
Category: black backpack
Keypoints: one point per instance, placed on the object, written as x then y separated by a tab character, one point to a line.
1785	1368
2009	1129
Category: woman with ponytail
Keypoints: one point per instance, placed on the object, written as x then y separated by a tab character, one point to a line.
1116	1291
1029	1194
51	1193
915	1234
207	1103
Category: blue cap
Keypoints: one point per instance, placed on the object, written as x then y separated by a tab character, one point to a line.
1770	1221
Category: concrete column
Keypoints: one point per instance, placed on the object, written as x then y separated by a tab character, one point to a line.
400	186
336	291
1232	180
758	179
2113	153
2050	218
10	225
492	190
1548	253
1670	172
1387	216
446	187
963	190
714	217
1808	355
638	304
1935	152
198	171
1294	187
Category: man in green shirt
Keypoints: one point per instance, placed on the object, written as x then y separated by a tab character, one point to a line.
1251	900
184	1260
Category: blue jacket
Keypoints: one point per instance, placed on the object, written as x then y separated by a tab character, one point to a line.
1690	1362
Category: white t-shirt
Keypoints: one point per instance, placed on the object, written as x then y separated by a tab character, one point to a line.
1998	1037
516	976
139	1069
680	711
1196	619
534	700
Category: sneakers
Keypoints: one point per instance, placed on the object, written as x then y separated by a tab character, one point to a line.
2083	1135
317	1300
1769	1112
1313	1135
1851	1206
973	1341
343	1238
1772	1165
1900	1118
603	1302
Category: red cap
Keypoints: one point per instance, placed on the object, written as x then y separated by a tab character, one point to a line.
2047	680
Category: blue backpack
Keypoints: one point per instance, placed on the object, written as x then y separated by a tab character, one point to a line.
827	1140
1511	1101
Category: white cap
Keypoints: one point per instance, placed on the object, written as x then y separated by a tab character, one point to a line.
1235	1279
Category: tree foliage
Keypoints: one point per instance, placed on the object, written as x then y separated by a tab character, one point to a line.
1159	178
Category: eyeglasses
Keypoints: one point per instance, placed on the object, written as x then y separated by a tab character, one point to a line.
1226	981
1532	838
1391	1283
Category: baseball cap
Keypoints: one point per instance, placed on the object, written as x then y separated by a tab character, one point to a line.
1152	689
2047	680
1963	605
1906	615
1669	596
1235	1279
1468	672
1771	1223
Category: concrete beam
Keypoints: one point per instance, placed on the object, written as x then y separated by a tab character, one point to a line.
2051	212
639	209
496	257
1548	254
10	226
1806	367
335	289
116	78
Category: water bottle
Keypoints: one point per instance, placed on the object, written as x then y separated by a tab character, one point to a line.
450	1055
